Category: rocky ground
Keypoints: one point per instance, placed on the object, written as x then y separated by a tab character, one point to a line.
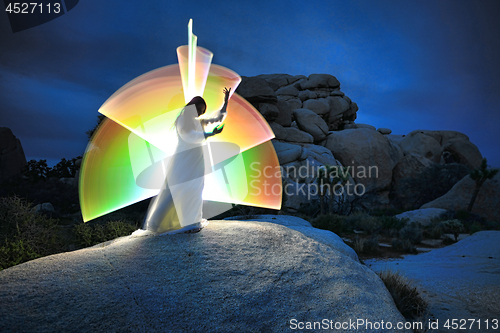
460	281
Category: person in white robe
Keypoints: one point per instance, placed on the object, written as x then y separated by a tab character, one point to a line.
178	206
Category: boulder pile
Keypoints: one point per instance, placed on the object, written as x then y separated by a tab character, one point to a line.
314	125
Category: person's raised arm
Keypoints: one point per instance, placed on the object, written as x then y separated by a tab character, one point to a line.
222	112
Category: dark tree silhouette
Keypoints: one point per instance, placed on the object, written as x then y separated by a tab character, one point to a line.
480	175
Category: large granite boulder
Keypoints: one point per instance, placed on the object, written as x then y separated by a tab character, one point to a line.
320	106
12	158
310	122
296	223
487	203
276	81
441	147
293	102
396	139
462	151
277	95
288	90
233	276
286	152
278	130
423	216
285	113
385	131
320	81
359	125
338	105
369	153
321	154
419	143
256	90
291	134
409	167
269	111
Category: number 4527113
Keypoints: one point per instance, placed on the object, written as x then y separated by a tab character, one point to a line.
33	8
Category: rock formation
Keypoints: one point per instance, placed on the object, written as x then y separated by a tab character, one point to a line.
232	277
423	216
12	159
487	203
312	111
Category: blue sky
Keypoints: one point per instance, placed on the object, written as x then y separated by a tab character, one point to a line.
407	64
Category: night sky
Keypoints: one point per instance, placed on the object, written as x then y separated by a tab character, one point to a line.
407	64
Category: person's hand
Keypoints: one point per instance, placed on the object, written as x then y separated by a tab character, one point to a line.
217	130
226	93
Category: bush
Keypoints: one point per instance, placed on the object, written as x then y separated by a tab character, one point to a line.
63	197
403	245
359	245
332	222
371	245
391	225
411	232
407	297
435	233
39	170
89	235
24	234
475	227
454	227
363	221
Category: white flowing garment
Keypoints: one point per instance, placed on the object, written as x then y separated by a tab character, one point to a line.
179	203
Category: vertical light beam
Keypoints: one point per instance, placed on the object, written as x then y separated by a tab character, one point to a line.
192	41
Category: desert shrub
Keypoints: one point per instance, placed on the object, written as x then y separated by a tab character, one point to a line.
62	196
391	225
435	232
359	245
407	297
65	168
453	226
403	245
365	245
89	235
332	222
363	221
411	232
392	222
39	170
24	234
100	119
371	245
469	219
475	227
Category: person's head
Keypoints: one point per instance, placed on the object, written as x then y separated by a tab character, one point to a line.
200	104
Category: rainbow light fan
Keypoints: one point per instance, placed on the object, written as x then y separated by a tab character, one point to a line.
125	160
